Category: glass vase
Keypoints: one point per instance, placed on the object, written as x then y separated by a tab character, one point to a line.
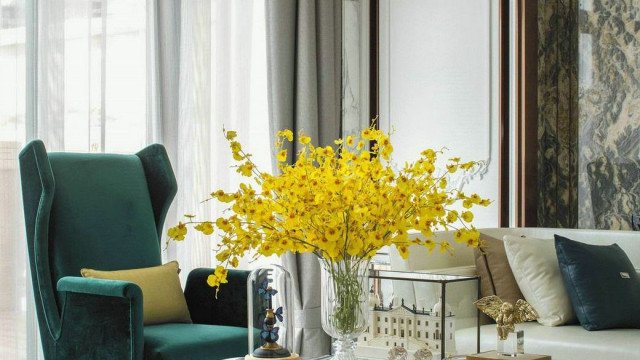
345	310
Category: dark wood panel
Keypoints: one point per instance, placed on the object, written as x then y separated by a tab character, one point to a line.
527	112
374	53
503	168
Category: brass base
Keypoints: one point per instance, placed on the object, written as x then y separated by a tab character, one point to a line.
293	356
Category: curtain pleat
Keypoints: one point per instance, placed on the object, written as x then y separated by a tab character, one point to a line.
304	69
50	69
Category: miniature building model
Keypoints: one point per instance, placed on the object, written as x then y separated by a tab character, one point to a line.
408	327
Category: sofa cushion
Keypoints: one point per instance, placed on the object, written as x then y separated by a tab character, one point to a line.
568	342
535	267
492	265
602	283
194	342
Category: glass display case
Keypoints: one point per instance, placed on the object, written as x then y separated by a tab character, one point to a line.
270	314
419	311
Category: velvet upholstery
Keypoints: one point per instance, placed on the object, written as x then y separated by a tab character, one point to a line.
101	216
107	211
102	320
229	308
194	341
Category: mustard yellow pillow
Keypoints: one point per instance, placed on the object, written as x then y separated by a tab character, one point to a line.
163	299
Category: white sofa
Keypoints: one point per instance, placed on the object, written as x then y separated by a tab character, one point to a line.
561	342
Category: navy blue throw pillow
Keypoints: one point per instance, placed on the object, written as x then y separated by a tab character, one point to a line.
602	283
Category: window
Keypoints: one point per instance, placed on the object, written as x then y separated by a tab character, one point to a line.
417	334
401	321
378	330
401	333
394	332
409	321
386	331
378	318
418	322
410	334
386	320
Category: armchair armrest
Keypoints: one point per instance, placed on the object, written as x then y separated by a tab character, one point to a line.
230	308
102	287
101	319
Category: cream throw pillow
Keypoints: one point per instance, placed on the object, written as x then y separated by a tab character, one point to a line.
163	299
534	264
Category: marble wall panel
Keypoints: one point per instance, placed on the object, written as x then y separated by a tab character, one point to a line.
609	117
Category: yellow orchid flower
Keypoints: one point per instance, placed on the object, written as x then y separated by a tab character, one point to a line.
340	202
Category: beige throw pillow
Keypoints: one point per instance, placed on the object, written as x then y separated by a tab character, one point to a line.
496	277
163	299
535	266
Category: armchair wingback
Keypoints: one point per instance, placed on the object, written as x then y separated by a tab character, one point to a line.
102	211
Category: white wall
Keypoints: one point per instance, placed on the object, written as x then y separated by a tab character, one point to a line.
439	84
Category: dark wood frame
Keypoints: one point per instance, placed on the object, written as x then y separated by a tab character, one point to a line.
527	113
504	128
523	143
374	66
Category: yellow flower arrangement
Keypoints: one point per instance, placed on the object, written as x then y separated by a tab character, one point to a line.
342	203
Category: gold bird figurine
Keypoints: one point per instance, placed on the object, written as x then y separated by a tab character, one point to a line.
506	314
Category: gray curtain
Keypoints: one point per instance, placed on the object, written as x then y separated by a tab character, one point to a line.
304	69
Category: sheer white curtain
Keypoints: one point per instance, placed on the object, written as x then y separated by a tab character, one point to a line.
90	88
222	82
13	297
99	83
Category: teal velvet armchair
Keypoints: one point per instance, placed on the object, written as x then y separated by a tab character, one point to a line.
106	211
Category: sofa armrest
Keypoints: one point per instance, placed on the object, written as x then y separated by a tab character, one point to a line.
229	308
101	319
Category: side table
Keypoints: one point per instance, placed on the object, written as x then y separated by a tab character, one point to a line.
492	355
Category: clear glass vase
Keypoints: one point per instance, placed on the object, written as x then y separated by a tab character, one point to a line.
345	310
